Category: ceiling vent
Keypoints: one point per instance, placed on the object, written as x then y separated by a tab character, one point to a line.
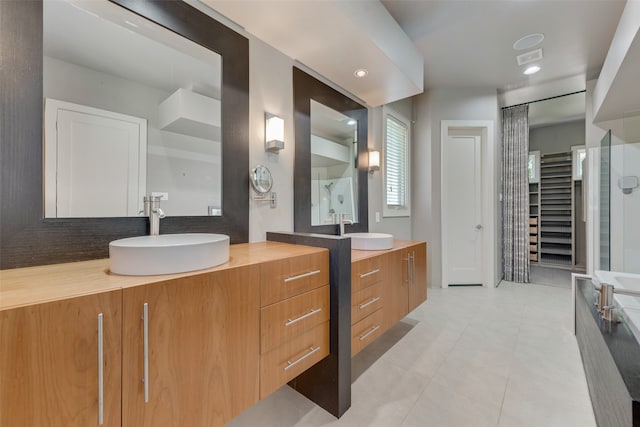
533	56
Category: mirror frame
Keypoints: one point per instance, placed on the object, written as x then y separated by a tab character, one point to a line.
306	88
26	237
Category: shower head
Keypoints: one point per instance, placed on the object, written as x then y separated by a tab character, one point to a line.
328	186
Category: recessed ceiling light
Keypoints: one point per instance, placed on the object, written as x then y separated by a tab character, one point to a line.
532	70
351	122
361	73
528	41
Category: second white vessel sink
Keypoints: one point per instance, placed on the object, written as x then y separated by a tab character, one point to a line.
168	253
370	241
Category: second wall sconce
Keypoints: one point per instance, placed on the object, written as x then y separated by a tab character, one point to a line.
374	161
273	133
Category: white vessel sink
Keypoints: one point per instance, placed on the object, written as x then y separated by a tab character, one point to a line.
168	253
370	241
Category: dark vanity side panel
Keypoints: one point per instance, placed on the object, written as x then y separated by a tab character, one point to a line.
328	383
26	239
610	394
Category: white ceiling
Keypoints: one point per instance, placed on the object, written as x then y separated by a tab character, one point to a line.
470	43
466	43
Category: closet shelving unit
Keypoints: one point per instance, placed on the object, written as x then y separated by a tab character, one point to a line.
534	213
556	239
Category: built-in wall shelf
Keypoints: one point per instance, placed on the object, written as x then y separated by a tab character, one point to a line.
556	203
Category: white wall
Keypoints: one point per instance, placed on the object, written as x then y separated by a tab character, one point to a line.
430	109
557	137
271	90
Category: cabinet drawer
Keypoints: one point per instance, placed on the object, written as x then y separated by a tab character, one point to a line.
293	276
533	257
366	331
533	239
365	302
533	229
286	362
284	320
533	221
367	272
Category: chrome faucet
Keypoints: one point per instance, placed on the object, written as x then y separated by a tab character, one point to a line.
154	212
343	221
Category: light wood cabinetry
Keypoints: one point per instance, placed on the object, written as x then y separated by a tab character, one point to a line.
294	318
386	286
368	298
292	276
178	350
418	282
49	363
202	349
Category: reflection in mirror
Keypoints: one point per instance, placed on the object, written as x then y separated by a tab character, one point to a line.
334	165
131	109
261	179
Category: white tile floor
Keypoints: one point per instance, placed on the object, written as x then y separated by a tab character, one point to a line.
469	356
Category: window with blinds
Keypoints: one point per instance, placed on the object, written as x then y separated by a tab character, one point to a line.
396	171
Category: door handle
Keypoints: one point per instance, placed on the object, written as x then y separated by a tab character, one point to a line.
479	227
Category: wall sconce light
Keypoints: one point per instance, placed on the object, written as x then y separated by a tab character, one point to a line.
273	133
374	161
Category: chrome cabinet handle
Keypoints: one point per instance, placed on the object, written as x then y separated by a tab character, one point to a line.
301	276
100	371
290	322
369	332
408	259
371	273
368	303
413	268
291	364
145	379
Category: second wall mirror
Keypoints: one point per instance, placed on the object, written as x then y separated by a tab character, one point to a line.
330	173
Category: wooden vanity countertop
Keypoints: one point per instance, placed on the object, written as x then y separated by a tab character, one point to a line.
357	255
35	285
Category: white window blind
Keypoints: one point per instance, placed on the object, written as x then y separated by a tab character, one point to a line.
395	163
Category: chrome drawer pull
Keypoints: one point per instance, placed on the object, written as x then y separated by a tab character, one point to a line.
100	371
372	330
371	273
301	276
368	303
291	364
145	350
290	322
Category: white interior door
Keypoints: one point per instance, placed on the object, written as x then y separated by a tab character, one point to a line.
462	208
96	162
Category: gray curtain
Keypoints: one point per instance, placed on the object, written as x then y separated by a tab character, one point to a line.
515	190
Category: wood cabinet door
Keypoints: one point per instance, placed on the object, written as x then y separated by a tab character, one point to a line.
49	362
418	288
203	349
397	287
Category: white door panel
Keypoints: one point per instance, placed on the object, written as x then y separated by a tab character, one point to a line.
95	162
462	200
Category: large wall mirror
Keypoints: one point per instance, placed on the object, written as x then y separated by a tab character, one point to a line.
331	158
130	109
152	80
